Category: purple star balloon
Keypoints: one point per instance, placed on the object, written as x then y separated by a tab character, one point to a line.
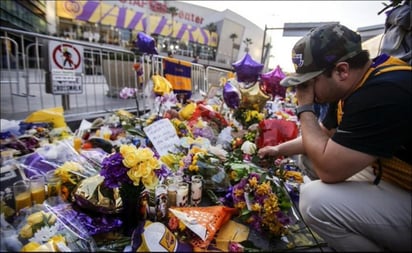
270	82
146	44
247	70
231	94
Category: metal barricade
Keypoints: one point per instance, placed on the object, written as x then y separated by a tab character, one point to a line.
106	70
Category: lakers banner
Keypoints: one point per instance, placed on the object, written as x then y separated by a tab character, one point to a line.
101	12
178	73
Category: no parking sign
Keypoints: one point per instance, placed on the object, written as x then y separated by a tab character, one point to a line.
66	67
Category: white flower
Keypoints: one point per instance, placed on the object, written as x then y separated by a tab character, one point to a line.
248	148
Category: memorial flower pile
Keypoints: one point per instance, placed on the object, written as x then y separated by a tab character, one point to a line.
247	117
132	169
261	205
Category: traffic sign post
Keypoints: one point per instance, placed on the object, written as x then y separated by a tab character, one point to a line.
65	68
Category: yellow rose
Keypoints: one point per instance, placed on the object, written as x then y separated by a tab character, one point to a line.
143	170
26	231
145	154
30	247
130	155
35	218
134	175
51	218
153	164
150	181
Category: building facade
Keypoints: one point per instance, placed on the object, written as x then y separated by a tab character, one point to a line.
117	22
24	15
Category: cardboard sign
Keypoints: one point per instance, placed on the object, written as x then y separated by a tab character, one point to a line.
163	136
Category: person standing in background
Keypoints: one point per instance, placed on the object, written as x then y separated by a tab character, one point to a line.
196	59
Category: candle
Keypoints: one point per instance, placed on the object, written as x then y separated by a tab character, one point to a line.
161	202
182	194
77	143
53	184
196	190
22	195
171	195
37	188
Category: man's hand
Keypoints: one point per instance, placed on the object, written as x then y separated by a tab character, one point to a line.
305	92
268	151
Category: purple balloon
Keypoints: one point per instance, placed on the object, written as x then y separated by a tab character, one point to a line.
247	70
270	82
231	95
146	44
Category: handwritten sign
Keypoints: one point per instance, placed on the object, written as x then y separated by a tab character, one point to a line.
163	136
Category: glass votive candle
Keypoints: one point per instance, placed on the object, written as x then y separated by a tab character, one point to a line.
22	195
161	202
53	183
171	194
182	194
196	190
77	143
178	177
37	189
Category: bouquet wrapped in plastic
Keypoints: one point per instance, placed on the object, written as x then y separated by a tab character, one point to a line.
46	228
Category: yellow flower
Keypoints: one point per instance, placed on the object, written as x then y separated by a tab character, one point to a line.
57	239
30	247
35	218
264	188
256	207
150	181
130	155
196	149
26	231
153	163
170	160
145	154
253	182
295	175
240	205
233	175
193	168
238	192
64	171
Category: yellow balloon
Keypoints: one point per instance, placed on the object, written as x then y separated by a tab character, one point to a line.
253	98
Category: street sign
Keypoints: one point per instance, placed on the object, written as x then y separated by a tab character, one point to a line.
65	56
66	68
65	84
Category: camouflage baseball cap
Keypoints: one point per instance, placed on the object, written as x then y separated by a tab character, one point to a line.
322	47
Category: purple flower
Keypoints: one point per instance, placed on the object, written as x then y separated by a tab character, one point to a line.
256	222
163	172
236	247
206	132
114	172
283	218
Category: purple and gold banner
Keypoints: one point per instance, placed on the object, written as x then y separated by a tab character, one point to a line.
122	17
178	73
